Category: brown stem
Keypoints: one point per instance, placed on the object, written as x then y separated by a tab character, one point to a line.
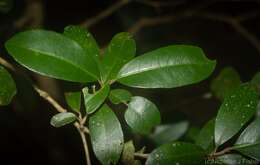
85	144
107	12
142	156
220	153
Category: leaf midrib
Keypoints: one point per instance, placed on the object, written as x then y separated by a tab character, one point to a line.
166	66
57	57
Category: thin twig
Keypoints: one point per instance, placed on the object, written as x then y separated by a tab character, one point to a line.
235	23
107	12
220	153
85	144
142	156
48	98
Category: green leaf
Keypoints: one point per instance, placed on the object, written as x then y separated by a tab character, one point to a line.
169	132
256	82
167	67
120	50
248	142
106	135
205	138
52	54
7	87
95	100
176	153
142	115
62	119
191	134
227	81
85	40
234	159
258	109
236	110
117	96
74	100
5	5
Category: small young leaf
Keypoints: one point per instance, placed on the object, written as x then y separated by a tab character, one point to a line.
85	40
106	135
176	153
205	139
120	50
248	142
128	157
236	110
167	67
74	100
227	81
234	159
52	54
95	100
170	132
62	119
117	96
7	87
142	115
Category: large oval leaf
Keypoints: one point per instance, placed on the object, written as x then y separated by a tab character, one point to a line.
85	40
120	50
62	119
176	153
52	54
142	115
167	67
169	132
248	142
235	111
106	135
205	138
7	87
95	100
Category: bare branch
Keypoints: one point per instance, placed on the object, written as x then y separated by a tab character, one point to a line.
107	12
235	23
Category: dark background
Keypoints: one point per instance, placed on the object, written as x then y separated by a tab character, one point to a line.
227	30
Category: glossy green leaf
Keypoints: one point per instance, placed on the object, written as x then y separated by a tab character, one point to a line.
248	142
227	81
233	159
169	132
205	138
62	119
256	82
95	100
167	67
236	110
176	153
142	115
74	100
52	54
5	5
85	40
120	50
117	96
7	87
106	135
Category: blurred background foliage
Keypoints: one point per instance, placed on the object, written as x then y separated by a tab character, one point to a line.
227	30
